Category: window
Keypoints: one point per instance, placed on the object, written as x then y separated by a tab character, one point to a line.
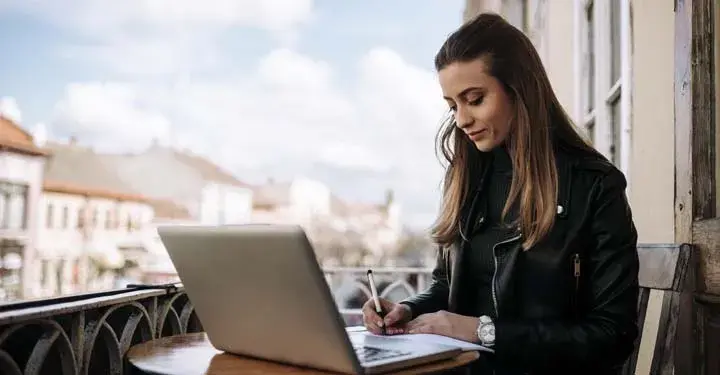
616	130
11	254
117	218
59	279
589	61
109	219
65	218
615	30
13	206
603	61
81	218
535	23
49	216
94	218
613	96
44	273
515	11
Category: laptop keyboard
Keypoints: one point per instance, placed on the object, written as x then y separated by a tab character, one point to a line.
369	353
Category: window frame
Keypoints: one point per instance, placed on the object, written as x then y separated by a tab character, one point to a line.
598	122
65	221
516	12
10	190
49	216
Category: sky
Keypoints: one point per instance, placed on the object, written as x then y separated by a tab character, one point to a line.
339	91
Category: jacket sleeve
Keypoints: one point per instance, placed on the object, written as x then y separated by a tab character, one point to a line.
606	331
435	297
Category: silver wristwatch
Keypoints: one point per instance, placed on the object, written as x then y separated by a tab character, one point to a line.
486	331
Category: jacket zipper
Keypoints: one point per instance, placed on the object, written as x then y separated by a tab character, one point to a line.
447	268
494	293
576	273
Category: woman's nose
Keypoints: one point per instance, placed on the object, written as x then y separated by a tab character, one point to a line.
462	118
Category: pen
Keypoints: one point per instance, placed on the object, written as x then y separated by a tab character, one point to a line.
375	298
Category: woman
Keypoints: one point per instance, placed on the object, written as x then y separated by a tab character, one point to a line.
537	247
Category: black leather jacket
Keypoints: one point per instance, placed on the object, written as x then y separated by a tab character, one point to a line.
567	305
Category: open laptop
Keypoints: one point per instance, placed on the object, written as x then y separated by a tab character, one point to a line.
259	291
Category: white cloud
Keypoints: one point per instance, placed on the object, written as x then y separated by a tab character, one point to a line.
160	37
290	112
109	115
287	70
353	156
108	17
9	109
151	56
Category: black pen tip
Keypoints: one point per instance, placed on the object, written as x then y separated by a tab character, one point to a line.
369	272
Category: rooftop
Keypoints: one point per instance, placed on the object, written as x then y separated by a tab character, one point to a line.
14	138
74	169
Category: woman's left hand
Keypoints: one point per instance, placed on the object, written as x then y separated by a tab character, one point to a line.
447	324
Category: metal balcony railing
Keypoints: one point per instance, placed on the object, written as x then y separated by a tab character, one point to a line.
90	333
351	290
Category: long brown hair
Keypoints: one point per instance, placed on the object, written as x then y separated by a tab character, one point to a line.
539	124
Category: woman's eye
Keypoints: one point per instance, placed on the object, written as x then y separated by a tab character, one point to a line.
476	101
453	109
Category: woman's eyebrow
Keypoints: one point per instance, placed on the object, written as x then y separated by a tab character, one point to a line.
463	93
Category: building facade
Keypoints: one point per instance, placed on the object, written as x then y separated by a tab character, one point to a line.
210	195
300	201
84	232
343	232
21	178
90	224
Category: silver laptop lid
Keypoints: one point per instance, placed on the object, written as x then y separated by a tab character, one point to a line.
259	291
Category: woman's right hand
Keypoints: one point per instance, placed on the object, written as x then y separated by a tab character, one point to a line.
397	315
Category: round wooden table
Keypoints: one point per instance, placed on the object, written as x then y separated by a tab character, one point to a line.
193	354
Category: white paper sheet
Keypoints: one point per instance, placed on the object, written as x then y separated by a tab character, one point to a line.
427	339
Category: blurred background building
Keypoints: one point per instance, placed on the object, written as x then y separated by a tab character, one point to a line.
79	220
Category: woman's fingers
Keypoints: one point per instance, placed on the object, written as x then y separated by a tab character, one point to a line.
371	319
421	324
421	328
394	316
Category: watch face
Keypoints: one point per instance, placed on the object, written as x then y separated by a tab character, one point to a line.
487	332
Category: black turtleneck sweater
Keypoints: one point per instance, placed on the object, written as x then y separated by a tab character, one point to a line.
478	263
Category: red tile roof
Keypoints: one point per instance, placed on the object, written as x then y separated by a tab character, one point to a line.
16	139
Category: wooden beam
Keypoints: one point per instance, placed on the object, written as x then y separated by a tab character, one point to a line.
703	109
695	197
683	122
695	148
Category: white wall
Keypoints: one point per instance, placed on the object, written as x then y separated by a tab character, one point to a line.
57	241
310	198
306	200
225	204
653	141
559	44
62	247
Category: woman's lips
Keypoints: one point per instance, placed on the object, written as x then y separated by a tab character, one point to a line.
477	134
